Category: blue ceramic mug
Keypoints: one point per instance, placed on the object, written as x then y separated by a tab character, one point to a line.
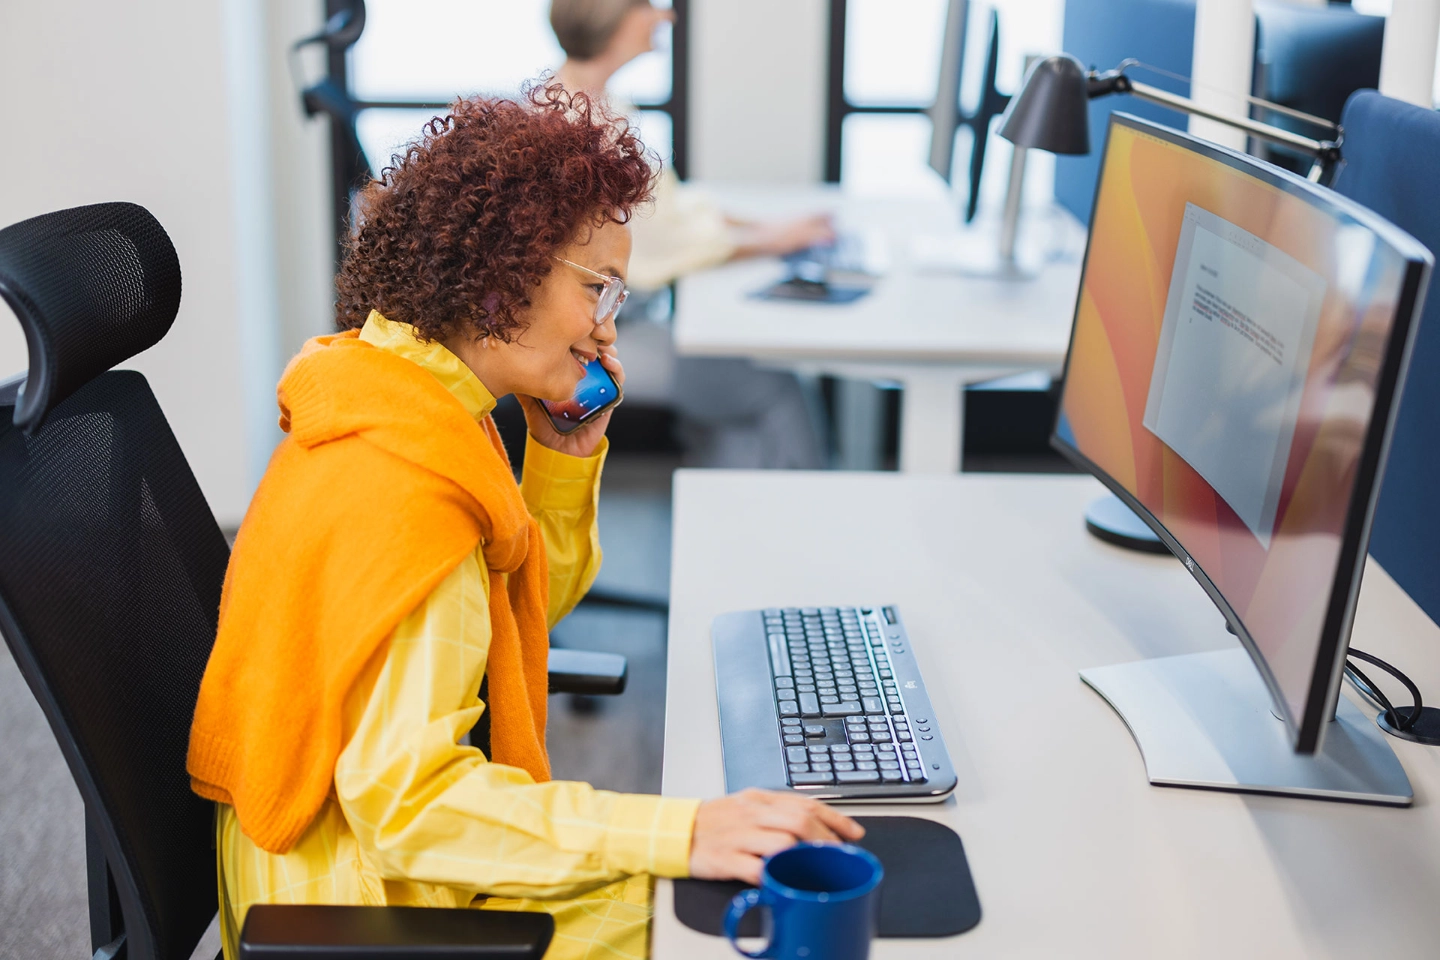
822	900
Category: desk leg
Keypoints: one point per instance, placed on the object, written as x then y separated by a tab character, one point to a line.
932	421
860	427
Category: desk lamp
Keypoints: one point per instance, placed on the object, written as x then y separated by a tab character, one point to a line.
1050	113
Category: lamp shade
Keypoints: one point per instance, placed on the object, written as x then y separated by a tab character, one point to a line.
1050	112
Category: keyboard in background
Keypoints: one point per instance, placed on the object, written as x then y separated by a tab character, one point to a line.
828	701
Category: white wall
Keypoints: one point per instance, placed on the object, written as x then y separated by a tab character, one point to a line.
165	103
757	97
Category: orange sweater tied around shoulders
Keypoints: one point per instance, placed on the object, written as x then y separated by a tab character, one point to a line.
319	579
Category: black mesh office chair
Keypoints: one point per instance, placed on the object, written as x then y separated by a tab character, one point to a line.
110	572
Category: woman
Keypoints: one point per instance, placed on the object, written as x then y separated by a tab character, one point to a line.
392	583
732	414
685	230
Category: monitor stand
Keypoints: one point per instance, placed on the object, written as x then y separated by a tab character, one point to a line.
1109	519
1205	720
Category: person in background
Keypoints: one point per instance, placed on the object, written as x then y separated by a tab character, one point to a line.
732	413
371	722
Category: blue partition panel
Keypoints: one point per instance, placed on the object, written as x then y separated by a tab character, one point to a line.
1389	153
1101	33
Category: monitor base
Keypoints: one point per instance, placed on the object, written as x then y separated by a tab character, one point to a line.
1109	519
1203	720
973	253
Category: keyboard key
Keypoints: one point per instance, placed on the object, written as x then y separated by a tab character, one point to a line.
814	730
926	736
820	766
794	739
797	754
889	765
844	765
892	776
865	765
885	748
902	736
845	709
857	776
790	722
789	708
839	750
880	736
804	687
818	748
811	779
784	682
799	768
809	705
827	698
858	737
873	704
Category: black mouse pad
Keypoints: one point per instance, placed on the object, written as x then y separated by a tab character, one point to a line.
811	292
927	890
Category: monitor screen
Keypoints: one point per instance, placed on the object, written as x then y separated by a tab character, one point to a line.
1238	340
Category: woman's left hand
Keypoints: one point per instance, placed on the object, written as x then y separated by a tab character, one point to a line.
582	441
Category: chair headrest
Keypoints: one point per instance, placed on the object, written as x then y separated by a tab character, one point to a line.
92	286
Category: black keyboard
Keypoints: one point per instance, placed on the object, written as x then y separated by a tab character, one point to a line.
829	701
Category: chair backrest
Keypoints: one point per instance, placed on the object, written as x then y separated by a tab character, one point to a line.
1311	58
110	560
1102	33
1389	157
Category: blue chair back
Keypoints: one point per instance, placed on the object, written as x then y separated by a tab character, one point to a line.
1101	33
1390	152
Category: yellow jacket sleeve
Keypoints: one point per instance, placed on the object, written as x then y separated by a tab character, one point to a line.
563	494
426	809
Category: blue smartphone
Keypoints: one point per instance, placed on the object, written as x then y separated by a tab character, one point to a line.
596	393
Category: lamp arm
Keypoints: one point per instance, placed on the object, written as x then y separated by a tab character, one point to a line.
1325	152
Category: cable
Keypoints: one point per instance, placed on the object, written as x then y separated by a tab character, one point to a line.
1362	688
1375	693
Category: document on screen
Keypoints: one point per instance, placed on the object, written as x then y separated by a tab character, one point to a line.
1235	343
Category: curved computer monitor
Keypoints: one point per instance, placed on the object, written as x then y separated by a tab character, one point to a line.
1239	344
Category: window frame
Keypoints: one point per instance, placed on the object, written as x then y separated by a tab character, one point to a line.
837	106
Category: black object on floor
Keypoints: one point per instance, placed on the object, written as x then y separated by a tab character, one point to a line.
927	891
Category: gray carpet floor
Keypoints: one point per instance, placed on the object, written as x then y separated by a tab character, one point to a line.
614	743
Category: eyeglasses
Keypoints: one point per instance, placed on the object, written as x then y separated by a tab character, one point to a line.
611	297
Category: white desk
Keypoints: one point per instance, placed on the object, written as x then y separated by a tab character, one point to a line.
1005	598
931	331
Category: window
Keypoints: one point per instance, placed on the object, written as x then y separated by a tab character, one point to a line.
416	56
884	65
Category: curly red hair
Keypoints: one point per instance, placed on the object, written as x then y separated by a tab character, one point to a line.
460	229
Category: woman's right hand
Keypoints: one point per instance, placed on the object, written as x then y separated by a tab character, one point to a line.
780	238
734	834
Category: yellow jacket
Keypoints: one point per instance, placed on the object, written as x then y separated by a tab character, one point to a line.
416	818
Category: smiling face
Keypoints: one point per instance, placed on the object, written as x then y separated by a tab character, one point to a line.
547	359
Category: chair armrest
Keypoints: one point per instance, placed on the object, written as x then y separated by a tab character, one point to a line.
587	672
314	932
